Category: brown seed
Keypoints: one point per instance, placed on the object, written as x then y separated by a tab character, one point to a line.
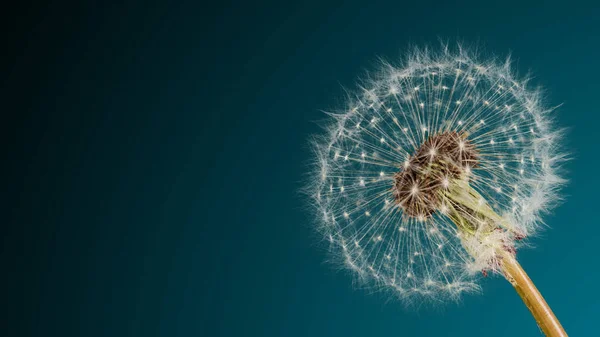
440	159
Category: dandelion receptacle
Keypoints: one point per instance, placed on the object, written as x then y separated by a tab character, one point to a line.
437	170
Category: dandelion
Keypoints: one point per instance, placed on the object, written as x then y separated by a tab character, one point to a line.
438	192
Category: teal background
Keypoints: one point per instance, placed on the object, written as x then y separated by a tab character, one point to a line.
153	153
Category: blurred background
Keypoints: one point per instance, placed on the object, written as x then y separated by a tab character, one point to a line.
153	152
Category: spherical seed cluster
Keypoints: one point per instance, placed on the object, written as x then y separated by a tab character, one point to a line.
442	158
372	190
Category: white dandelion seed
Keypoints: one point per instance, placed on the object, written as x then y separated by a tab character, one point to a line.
451	215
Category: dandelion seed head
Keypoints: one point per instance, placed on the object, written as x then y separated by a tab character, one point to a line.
387	161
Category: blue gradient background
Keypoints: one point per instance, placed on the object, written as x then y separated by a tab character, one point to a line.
153	153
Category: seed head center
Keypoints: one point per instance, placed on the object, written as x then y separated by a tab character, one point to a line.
440	159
